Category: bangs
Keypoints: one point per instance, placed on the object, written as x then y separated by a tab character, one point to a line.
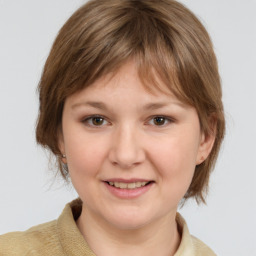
132	35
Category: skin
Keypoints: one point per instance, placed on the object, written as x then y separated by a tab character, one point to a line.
128	143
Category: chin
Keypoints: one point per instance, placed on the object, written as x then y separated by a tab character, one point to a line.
130	220
129	224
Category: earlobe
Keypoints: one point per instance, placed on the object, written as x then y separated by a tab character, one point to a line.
64	159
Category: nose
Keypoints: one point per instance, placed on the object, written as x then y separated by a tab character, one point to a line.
126	148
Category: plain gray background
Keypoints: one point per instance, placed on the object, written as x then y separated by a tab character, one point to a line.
28	195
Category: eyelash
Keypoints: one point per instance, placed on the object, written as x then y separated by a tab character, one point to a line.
90	119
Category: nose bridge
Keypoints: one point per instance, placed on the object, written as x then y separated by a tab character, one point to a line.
126	150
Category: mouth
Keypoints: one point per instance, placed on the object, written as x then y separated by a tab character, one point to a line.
129	185
129	189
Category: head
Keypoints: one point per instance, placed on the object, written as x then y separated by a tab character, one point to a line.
167	43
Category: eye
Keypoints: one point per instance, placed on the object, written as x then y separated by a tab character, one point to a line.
160	121
95	121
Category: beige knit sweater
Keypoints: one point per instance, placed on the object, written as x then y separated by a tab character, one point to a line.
62	237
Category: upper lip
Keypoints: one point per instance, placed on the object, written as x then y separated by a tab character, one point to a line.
127	180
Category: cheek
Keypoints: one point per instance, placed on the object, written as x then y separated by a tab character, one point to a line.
85	154
175	161
175	155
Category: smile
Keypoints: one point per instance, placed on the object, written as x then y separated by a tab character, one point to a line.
128	189
131	185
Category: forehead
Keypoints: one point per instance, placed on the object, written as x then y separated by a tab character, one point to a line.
127	76
125	79
126	87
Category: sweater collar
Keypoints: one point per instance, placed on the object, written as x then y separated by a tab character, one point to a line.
72	241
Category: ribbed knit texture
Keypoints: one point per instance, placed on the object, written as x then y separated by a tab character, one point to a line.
62	237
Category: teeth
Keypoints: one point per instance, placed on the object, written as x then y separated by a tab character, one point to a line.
131	185
122	185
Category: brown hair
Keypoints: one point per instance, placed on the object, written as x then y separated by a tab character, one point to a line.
165	39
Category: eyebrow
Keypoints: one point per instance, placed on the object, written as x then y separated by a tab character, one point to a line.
149	106
95	104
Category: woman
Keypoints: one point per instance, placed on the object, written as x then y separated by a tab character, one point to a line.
130	105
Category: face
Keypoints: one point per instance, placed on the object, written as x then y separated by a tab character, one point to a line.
131	154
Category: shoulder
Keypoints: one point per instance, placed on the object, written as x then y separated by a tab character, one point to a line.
201	249
38	240
190	245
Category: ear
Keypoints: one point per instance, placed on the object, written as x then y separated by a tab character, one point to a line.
207	142
61	145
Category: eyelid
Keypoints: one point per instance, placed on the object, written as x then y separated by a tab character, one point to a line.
86	119
167	118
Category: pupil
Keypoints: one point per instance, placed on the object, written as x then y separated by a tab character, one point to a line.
97	120
159	120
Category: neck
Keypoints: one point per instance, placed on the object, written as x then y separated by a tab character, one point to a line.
158	238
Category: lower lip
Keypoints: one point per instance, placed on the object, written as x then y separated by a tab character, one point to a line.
128	193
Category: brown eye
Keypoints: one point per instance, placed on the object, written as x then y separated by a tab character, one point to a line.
159	120
97	121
